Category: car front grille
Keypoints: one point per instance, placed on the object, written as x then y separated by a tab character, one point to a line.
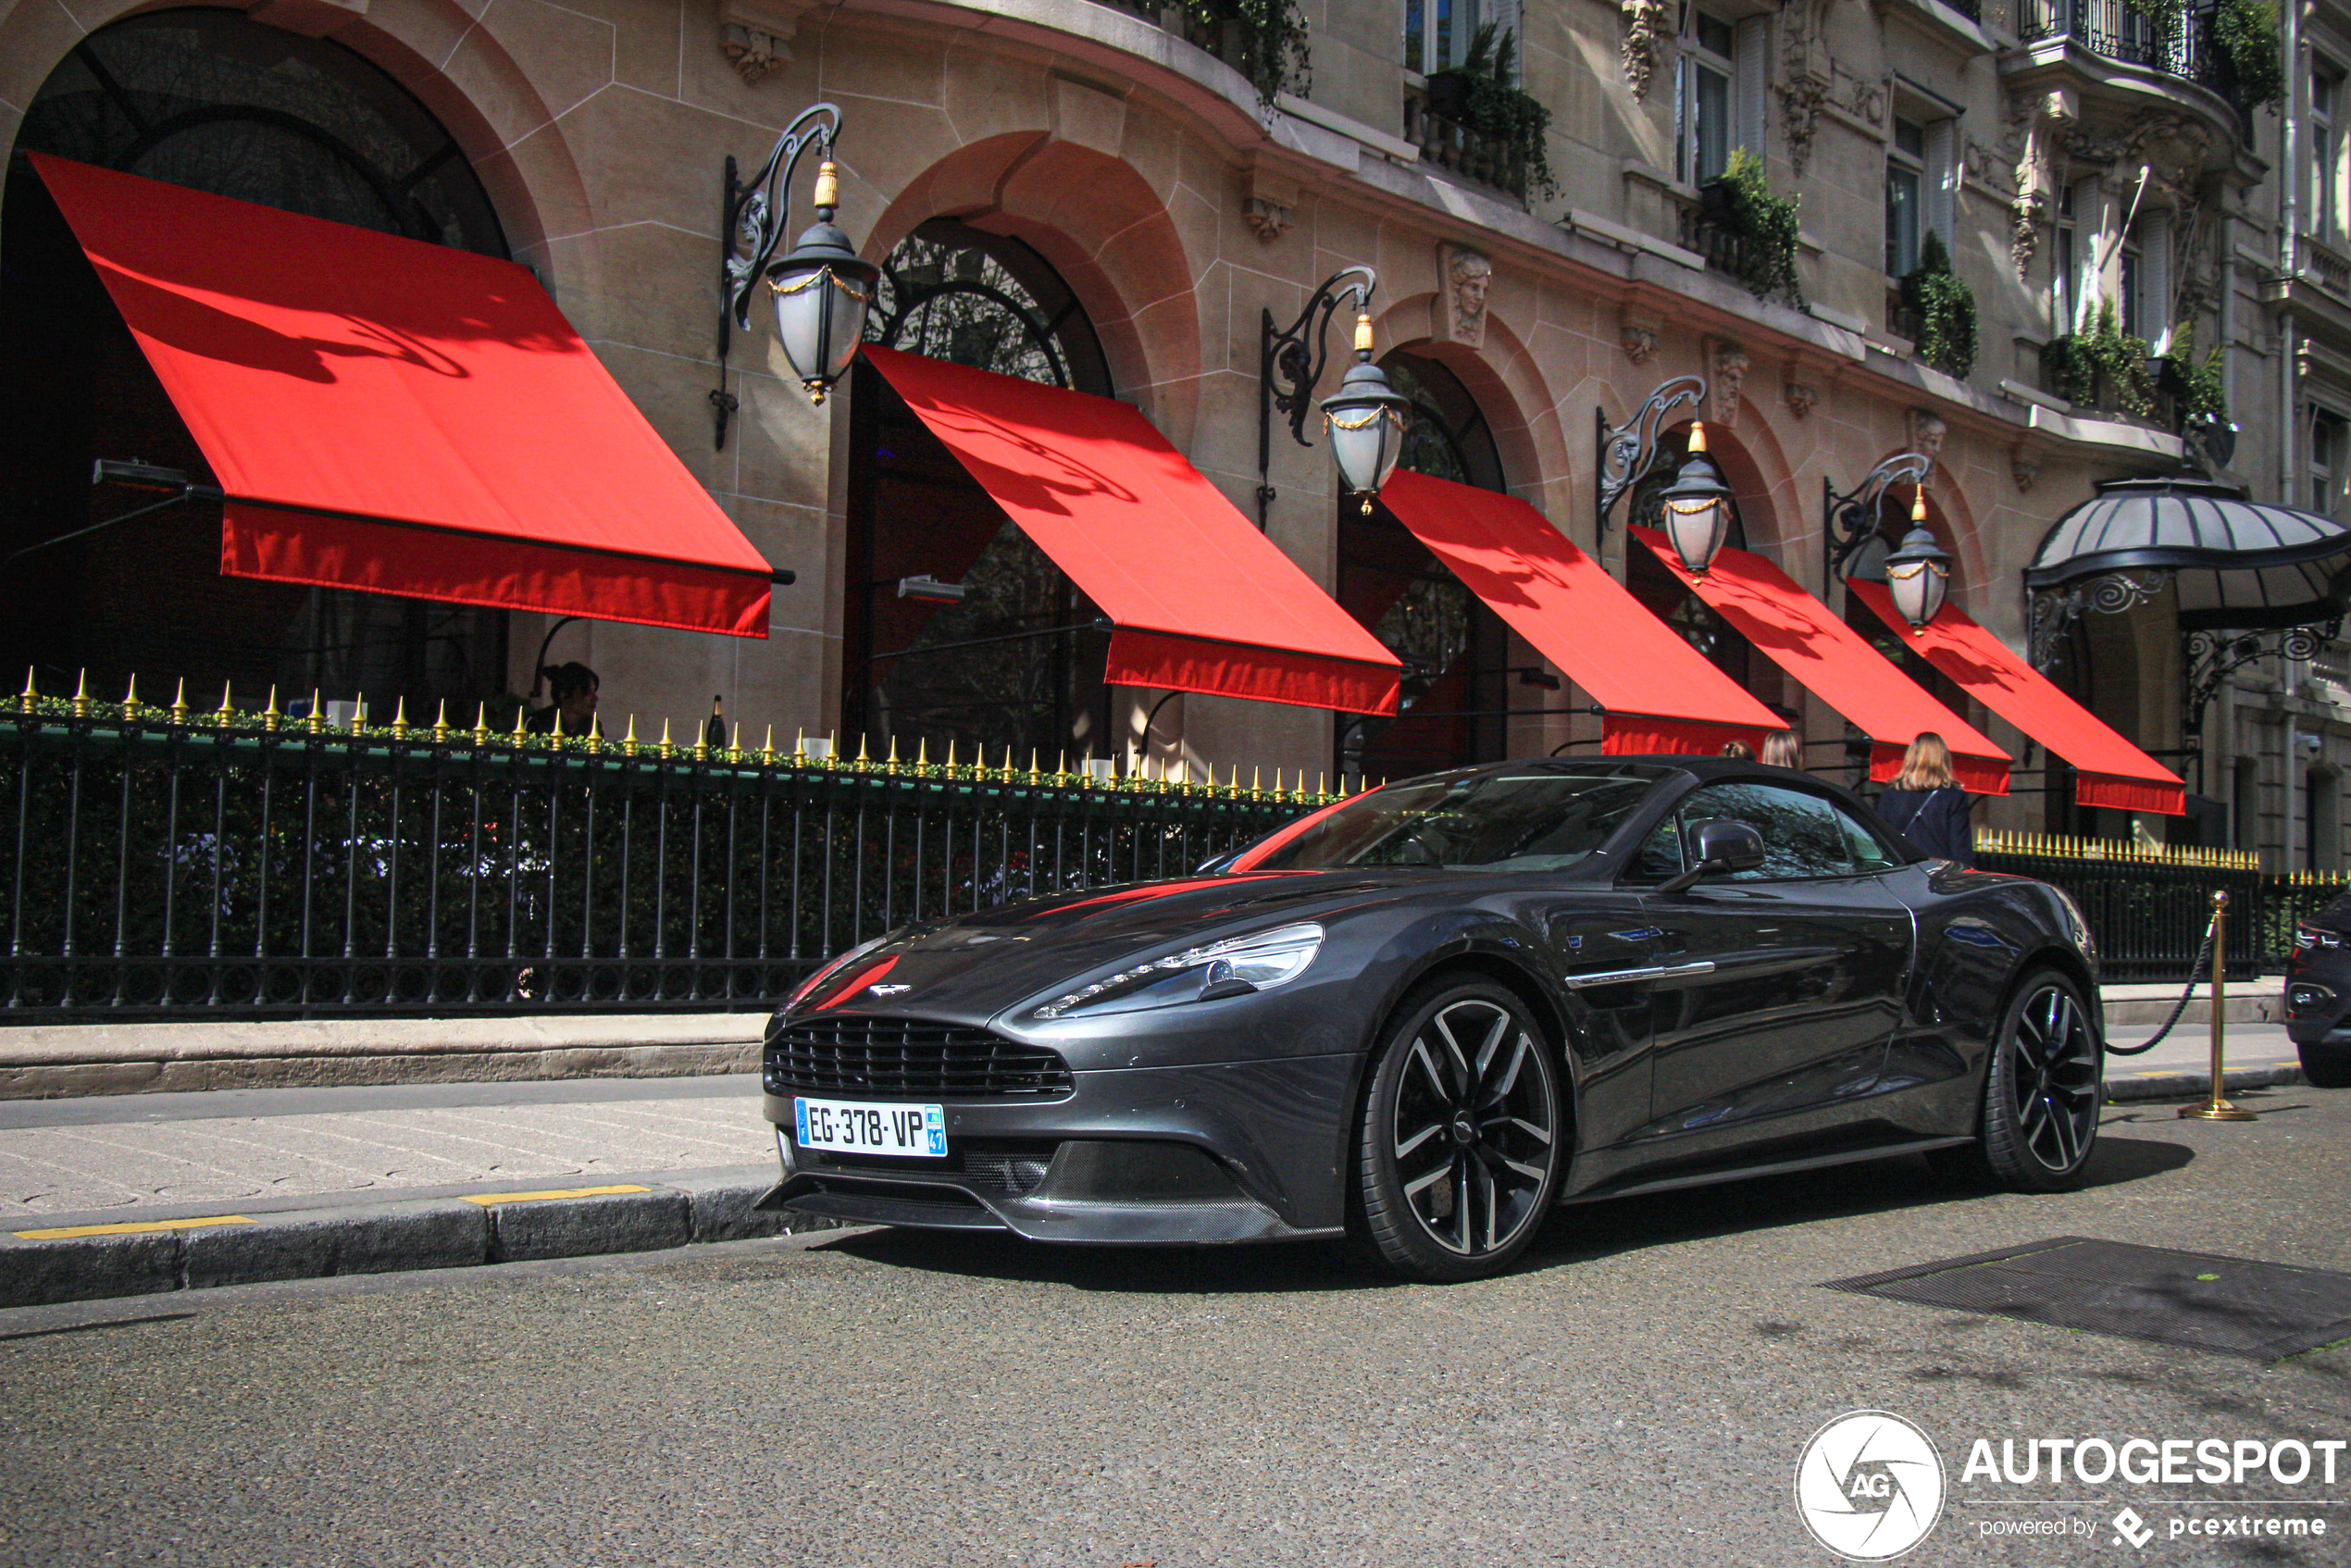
998	1167
906	1056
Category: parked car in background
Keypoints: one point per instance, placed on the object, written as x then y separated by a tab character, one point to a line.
2318	995
1425	1016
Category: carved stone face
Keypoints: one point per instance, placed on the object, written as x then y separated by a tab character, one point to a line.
1472	280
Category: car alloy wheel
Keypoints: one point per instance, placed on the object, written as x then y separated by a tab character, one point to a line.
2044	1089
1463	1135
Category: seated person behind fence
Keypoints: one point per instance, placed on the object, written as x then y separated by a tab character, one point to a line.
573	688
1925	804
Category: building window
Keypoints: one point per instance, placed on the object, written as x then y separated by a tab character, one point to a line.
1438	33
2130	281
1905	193
2325	216
1702	97
2064	300
2329	445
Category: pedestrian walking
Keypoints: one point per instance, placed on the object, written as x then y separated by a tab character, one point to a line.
1781	748
1925	804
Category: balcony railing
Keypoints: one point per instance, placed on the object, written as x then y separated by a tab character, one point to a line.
2177	45
226	865
2327	267
1451	144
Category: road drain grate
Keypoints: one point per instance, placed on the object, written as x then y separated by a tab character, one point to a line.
2199	1299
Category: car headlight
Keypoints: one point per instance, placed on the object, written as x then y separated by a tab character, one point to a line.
1259	961
808	985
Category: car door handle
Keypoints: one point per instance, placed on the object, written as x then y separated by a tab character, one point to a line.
1651	972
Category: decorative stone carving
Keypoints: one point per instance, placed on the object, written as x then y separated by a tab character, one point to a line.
1269	220
2024	468
1927	431
1637	334
2036	126
1459	312
754	53
1803	84
1648	34
756	34
1863	97
1726	380
1799	396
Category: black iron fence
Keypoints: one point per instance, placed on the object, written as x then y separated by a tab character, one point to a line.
2148	905
159	863
2178	40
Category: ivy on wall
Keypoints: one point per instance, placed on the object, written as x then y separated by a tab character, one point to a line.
1273	42
1946	309
2104	367
1491	103
2247	33
1743	203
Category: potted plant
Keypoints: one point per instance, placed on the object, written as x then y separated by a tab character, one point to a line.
1482	95
1740	203
1944	309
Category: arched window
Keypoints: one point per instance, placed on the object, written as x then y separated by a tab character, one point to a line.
213	101
1455	649
1014	662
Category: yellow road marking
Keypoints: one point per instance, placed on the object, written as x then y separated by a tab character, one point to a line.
129	1228
490	1200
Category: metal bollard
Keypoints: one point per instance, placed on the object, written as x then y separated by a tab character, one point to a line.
2216	1108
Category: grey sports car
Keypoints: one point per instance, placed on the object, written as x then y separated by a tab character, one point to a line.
1426	1016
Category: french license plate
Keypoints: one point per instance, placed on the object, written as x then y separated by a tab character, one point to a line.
914	1131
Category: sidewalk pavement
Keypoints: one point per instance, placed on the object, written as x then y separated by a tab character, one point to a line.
126	1194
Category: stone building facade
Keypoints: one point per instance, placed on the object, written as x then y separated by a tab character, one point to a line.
1114	179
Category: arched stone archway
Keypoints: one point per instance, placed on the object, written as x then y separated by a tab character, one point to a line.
1104	231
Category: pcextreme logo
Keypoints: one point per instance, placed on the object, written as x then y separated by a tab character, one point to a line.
1869	1486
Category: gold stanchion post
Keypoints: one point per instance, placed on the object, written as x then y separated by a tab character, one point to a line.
2216	1108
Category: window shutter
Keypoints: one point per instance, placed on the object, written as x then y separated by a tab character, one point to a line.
1942	175
1751	65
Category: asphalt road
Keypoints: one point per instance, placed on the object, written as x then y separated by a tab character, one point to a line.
1638	1394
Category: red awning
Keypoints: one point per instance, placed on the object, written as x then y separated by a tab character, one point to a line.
2110	771
1660	694
1199	599
1829	659
401	417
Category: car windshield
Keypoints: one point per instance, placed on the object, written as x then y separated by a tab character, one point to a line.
1531	818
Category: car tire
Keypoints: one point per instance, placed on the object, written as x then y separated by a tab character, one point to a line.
2043	1091
2326	1066
1464	1134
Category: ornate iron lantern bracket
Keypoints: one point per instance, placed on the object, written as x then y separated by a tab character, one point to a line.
1628	452
2057	609
1848	521
752	227
1291	360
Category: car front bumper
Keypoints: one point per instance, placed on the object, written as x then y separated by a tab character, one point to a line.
1232	1152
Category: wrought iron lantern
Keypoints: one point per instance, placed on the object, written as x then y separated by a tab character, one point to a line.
1697	508
1918	574
821	286
1365	421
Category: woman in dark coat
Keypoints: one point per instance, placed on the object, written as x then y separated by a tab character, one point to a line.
1925	804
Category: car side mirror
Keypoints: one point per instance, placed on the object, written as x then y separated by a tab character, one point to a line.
1724	847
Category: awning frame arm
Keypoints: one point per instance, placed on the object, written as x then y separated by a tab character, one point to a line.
1629	451
2212	657
2052	610
189	490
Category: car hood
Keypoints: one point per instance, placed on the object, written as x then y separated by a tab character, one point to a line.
975	967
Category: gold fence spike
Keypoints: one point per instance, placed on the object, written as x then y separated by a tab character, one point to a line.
270	716
316	720
30	695
520	734
400	716
862	759
628	743
482	723
556	734
81	695
950	756
735	741
767	747
226	707
441	721
665	738
833	748
922	753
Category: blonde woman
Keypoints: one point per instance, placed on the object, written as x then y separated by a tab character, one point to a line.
1781	748
1925	804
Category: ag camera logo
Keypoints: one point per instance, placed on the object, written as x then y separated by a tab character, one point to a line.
1869	1486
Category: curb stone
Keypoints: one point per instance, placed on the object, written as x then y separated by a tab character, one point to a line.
2187	1086
389	1236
